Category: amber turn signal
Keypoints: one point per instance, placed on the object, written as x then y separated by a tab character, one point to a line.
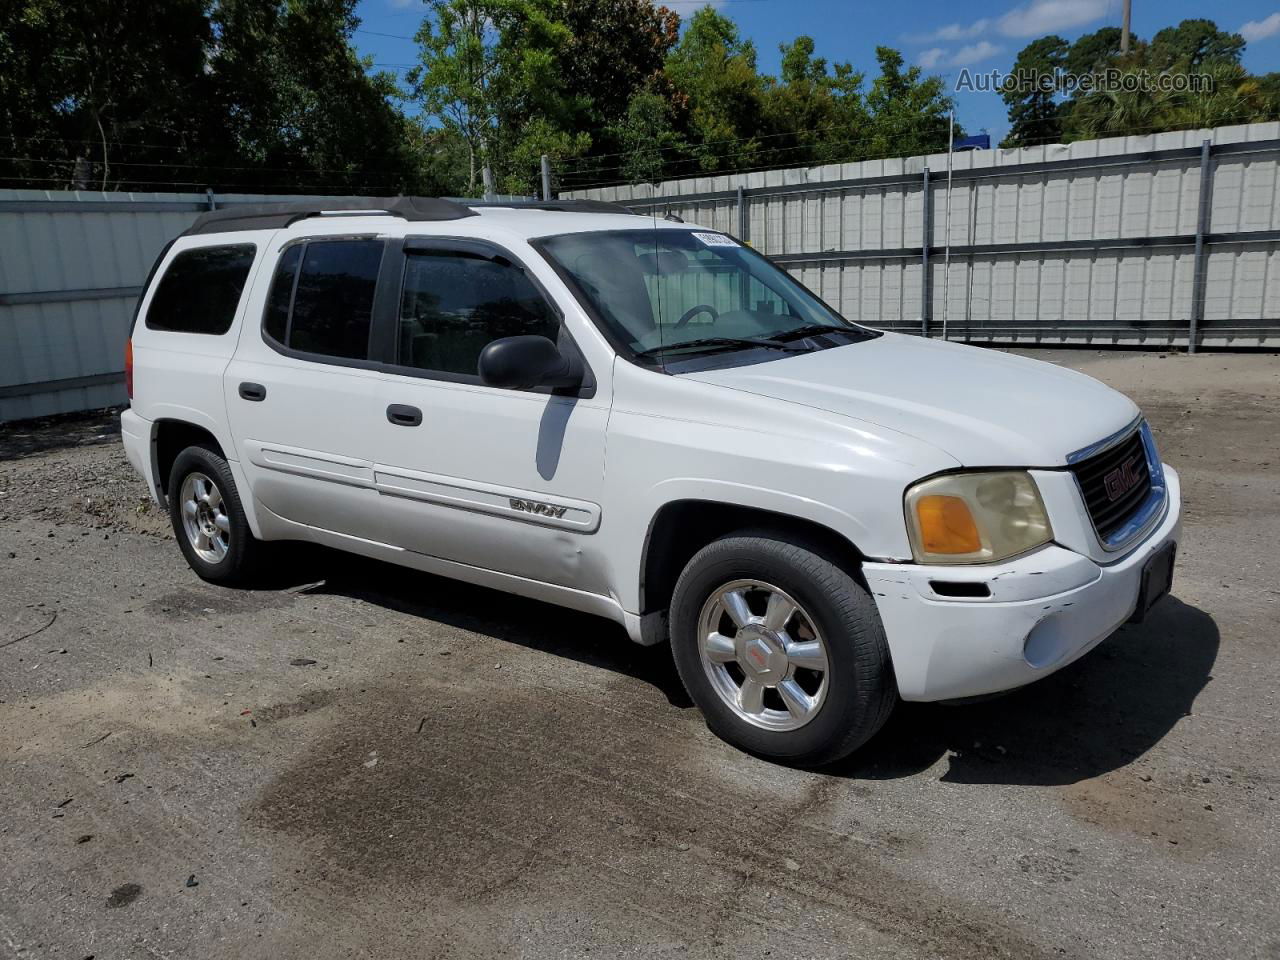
946	525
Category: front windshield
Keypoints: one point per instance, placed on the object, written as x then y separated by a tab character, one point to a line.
674	292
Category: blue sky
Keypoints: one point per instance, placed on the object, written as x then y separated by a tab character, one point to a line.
942	35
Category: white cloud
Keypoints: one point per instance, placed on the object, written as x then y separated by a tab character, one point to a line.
928	59
967	55
974	53
1033	19
1046	16
951	32
1261	29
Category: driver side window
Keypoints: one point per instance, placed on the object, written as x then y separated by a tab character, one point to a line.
455	303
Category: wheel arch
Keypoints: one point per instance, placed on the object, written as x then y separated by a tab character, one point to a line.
680	528
170	436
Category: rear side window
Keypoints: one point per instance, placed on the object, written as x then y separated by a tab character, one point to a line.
201	289
321	298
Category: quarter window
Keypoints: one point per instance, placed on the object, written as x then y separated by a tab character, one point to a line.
321	298
201	289
454	304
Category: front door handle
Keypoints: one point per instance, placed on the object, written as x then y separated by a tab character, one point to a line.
404	416
253	391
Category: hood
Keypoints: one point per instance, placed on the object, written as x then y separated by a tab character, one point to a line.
983	407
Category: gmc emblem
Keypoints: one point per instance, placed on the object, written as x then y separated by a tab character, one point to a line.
1122	479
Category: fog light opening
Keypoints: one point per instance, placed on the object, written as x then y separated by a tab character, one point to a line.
1046	644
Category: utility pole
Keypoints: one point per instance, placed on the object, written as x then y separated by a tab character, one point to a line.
1124	27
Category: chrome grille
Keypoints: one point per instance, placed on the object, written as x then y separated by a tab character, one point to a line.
1115	483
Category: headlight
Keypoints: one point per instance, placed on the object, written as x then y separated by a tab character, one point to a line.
976	517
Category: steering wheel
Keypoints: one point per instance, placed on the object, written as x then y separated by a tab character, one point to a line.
694	311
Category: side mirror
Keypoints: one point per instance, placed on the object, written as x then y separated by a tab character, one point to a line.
520	363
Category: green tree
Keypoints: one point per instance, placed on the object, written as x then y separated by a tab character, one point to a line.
814	113
82	86
290	96
231	94
1192	44
1193	52
490	75
647	136
909	111
1034	114
715	69
1097	51
617	48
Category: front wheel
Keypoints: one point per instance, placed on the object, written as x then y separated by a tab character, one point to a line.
208	519
782	650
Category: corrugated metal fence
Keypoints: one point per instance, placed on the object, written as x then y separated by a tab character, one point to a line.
71	267
1156	240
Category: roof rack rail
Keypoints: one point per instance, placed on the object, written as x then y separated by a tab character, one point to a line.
559	206
269	216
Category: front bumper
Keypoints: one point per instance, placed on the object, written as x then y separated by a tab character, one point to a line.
1045	610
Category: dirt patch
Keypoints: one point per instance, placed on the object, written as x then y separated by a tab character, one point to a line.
310	701
123	895
155	707
476	797
207	600
1171	817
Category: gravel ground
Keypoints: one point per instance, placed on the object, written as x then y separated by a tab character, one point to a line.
371	762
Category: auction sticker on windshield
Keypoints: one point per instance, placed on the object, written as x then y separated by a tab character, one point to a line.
716	240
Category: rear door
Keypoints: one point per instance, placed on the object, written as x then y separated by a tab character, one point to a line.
506	480
303	388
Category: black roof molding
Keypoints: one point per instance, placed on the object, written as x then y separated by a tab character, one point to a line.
559	206
270	216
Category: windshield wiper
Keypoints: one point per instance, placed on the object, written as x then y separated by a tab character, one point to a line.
703	343
813	329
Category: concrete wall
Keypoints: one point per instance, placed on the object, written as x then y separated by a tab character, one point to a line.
1085	242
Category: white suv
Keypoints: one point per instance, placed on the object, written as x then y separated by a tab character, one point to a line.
651	422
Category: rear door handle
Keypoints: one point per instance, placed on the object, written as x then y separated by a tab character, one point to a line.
253	391
404	416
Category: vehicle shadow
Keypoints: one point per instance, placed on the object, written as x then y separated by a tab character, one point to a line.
28	438
528	623
1094	716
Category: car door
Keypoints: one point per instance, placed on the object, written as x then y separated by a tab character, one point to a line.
506	480
302	388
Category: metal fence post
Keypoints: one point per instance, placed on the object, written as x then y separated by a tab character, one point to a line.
1200	263
925	238
744	226
546	178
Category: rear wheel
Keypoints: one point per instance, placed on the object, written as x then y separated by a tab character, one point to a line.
209	520
781	649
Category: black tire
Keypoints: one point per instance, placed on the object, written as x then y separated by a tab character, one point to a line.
242	560
861	691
